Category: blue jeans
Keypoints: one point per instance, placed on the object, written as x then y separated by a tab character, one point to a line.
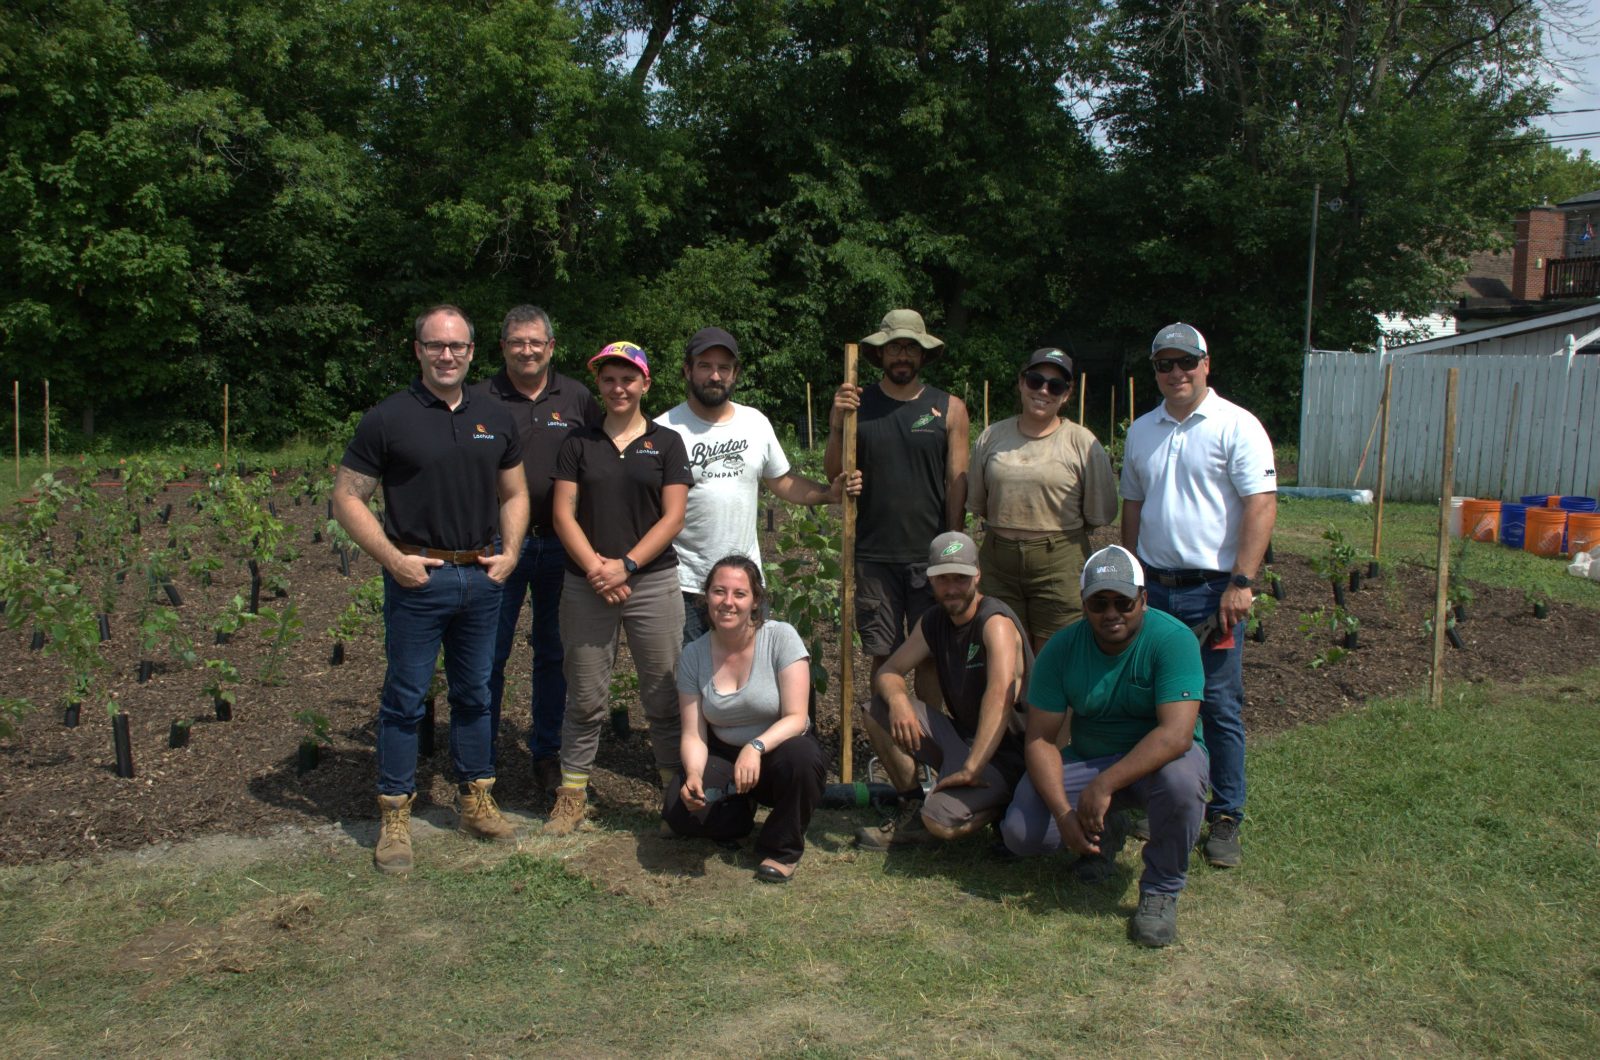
537	575
457	609
1222	711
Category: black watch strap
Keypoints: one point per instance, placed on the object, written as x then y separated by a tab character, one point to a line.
629	565
1241	581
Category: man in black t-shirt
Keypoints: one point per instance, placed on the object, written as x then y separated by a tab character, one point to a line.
450	464
912	448
547	406
982	657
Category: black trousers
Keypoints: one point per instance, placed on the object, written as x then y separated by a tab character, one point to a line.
791	783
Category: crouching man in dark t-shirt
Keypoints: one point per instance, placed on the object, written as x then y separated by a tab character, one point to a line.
982	660
1132	679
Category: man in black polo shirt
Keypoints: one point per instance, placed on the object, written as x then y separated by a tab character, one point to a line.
547	406
450	465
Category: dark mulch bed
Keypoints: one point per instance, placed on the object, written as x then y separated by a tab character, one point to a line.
60	797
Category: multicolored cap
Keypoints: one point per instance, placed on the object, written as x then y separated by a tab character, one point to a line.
621	351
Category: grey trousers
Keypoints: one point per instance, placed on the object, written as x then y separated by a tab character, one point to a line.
653	618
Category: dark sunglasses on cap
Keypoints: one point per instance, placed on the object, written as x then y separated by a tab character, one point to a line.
1163	365
1040	381
1099	605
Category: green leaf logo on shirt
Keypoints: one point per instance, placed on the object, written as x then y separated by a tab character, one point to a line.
972	652
922	421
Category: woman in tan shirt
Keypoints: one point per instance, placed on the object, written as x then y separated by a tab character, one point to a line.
1040	484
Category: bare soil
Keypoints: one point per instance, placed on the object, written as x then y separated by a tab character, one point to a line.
60	796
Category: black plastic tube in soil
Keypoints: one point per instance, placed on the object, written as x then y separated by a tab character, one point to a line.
172	592
178	735
146	668
844	796
1338	594
344	561
316	537
1461	612
309	756
223	708
1374	570
1541	610
1355	581
221	637
122	744
164	513
1454	638
1352	639
37	641
1259	634
71	715
138	528
255	588
425	730
619	724
1277	589
103	620
337	657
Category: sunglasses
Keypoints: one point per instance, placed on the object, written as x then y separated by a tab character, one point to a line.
1099	605
1163	365
1040	381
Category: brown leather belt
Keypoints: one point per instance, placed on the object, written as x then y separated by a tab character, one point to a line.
463	558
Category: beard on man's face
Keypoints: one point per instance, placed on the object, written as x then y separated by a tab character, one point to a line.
711	395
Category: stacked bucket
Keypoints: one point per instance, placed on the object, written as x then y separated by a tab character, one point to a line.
1544	524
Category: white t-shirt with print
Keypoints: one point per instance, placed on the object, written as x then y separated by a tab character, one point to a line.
728	460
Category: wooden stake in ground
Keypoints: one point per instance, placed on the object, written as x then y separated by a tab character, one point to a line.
847	590
47	425
986	404
1383	464
224	425
1083	388
1113	435
16	426
811	436
1447	473
1131	405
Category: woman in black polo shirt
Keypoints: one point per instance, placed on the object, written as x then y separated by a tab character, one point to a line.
617	502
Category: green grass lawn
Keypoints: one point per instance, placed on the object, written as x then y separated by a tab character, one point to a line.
1415	881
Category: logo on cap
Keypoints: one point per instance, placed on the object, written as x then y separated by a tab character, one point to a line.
951	549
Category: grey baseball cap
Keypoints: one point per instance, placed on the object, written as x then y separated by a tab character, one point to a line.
710	338
1050	355
953	553
1114	568
1180	336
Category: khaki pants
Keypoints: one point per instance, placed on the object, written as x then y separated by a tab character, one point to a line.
653	618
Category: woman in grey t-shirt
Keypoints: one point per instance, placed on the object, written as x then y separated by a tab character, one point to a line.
743	692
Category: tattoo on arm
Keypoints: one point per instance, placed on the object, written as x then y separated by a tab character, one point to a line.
355	484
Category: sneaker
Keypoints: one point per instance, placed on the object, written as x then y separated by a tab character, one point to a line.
1098	868
905	830
547	774
479	815
392	855
572	804
1222	844
1155	922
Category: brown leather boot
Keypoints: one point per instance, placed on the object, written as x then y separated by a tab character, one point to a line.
571	806
479	815
392	855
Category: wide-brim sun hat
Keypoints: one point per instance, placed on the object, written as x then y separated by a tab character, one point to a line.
903	324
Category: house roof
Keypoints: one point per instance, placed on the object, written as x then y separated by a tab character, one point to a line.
1591	198
1488	276
1590	312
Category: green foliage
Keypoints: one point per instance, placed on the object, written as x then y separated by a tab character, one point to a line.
318	728
12	711
282	629
1337	559
222	674
804	585
366	604
163	627
1324	621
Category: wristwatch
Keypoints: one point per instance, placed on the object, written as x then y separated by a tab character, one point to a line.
629	565
760	747
1241	581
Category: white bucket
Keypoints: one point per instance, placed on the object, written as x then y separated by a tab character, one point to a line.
1455	515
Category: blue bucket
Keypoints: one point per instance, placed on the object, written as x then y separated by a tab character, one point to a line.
1513	524
1536	500
1577	504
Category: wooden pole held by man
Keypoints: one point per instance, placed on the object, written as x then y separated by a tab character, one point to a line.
1083	388
811	435
847	590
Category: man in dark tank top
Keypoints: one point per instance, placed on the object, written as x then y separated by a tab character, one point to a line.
977	646
912	448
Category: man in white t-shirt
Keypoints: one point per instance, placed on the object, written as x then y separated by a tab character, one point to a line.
1199	498
732	451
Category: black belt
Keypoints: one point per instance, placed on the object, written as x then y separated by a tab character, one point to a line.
461	558
1177	579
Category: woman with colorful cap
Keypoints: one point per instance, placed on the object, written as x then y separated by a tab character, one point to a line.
1041	484
617	502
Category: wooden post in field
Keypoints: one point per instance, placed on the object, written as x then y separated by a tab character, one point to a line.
847	590
1511	431
1447	473
224	425
16	426
811	436
986	404
1131	405
1113	435
1383	464
1083	388
47	425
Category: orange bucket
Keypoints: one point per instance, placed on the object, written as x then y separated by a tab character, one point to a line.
1583	531
1545	529
1480	520
1553	501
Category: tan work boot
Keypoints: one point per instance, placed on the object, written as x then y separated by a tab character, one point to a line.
572	804
479	815
392	855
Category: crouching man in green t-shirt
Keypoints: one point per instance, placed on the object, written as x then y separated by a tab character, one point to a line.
1133	681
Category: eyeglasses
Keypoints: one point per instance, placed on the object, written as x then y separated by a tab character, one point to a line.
518	345
438	349
1038	380
1099	605
1163	365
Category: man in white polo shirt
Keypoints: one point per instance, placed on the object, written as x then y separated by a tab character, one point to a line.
1198	505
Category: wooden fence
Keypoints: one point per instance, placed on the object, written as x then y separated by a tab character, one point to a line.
1526	423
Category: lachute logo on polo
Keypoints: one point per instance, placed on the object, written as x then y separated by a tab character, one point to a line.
481	433
556	416
649	445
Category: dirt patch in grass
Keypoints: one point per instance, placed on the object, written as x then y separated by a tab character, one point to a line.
60	797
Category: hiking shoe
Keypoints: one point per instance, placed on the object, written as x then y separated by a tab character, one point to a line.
1140	829
905	830
547	774
1222	844
392	855
479	815
572	804
1155	922
1098	868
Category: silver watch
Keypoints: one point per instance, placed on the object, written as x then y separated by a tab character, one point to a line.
760	747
